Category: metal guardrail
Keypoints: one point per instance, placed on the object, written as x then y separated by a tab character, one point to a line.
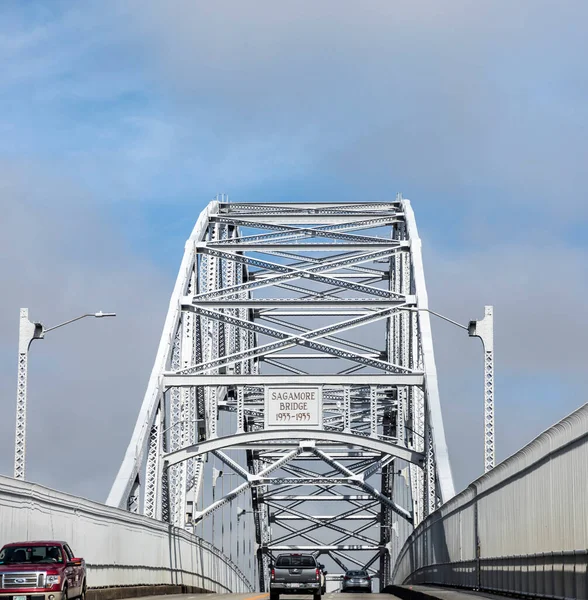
488	537
172	575
149	575
122	549
224	558
554	575
148	571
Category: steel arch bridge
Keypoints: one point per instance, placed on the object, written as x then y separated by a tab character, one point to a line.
297	356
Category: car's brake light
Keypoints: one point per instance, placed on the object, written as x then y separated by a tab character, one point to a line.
346	578
318	574
273	574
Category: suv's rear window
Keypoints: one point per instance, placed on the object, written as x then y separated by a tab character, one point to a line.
22	555
296	561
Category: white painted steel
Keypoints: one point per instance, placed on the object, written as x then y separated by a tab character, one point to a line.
138	445
520	528
433	402
120	548
484	329
310	439
27	332
170	380
298	295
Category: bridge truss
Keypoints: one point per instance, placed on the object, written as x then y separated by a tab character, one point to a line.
328	298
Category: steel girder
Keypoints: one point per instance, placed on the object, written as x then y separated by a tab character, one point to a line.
295	294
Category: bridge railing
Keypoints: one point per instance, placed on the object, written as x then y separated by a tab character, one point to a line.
521	528
545	575
120	548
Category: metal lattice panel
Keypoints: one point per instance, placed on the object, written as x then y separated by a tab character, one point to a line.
322	299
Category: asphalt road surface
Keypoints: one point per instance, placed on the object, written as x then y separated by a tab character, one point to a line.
258	596
434	592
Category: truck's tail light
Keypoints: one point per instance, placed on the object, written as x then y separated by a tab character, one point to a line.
318	574
273	575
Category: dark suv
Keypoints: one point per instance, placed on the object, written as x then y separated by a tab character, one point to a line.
295	574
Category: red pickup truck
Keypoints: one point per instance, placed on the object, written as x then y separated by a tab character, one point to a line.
44	570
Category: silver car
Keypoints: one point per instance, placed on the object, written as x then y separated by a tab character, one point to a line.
357	581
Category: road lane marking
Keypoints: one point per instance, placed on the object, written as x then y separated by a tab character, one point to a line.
258	597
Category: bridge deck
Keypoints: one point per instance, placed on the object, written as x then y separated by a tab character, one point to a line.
426	591
443	593
260	596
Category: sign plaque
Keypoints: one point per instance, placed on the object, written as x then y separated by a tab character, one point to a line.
293	407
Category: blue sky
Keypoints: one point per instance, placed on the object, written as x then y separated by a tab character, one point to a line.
119	121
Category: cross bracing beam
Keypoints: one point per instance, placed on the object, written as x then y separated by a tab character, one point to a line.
309	261
291	296
300	438
320	494
317	525
313	273
289	340
358	275
289	232
334	497
302	329
298	481
308	293
330	302
379	379
312	207
348	536
308	247
325	548
341	455
369	517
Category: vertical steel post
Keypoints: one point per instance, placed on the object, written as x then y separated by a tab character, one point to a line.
28	331
216	473
347	409
484	329
373	411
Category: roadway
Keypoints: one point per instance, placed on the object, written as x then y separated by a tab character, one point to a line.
258	596
434	593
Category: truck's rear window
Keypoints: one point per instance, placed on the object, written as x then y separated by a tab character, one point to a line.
296	561
22	555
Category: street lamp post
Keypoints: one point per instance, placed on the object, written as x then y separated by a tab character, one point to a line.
483	329
29	331
216	473
240	513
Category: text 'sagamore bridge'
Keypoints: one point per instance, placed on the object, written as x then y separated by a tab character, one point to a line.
275	303
293	407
